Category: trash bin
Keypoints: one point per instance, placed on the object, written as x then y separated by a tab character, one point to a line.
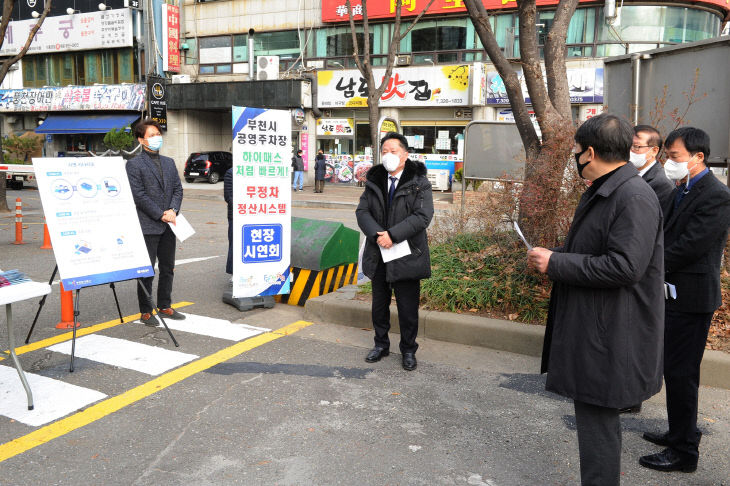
323	259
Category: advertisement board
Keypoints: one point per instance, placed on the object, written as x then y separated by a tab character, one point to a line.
585	85
92	220
411	86
262	155
77	32
171	38
122	97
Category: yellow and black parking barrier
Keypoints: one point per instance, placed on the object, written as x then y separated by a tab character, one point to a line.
307	284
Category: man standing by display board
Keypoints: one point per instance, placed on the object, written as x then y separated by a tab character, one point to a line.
157	193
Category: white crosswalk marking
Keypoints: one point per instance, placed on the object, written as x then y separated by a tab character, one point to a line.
125	354
53	399
217	328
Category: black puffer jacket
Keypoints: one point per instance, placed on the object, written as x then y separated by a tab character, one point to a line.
405	219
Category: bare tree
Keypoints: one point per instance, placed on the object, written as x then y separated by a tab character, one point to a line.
364	64
5	67
550	99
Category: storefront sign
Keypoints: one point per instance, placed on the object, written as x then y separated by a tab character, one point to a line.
336	10
335	127
126	97
171	38
339	168
262	154
413	86
78	32
586	86
158	100
91	218
506	115
304	145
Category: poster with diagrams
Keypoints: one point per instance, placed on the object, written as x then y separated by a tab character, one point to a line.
92	220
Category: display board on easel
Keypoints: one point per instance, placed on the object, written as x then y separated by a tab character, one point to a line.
92	220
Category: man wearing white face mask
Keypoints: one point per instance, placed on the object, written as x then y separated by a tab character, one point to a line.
396	206
644	150
157	193
695	233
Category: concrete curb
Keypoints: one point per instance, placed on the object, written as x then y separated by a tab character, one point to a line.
340	308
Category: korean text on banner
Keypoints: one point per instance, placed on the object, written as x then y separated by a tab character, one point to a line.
262	155
92	220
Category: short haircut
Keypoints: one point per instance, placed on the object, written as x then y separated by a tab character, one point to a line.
394	135
695	140
300	151
654	138
610	136
140	129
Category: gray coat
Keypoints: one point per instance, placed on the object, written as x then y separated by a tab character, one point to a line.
297	163
152	195
604	339
405	219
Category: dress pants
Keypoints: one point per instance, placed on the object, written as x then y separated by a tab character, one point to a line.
162	248
407	296
685	335
599	444
318	186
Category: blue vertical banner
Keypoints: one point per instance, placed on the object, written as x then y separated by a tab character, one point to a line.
262	153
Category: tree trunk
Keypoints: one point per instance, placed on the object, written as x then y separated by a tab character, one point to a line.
3	194
374	116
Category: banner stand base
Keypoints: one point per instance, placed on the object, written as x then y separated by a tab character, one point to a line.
247	303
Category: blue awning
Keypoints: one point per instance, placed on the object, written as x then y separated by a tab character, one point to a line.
60	124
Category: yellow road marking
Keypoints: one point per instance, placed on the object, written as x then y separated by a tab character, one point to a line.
113	404
81	331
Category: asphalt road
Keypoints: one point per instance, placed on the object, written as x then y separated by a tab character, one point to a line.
299	407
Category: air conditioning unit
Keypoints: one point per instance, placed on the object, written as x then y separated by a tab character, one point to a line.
267	68
403	60
180	78
440	179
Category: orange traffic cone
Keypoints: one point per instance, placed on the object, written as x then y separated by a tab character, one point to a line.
46	238
18	223
67	310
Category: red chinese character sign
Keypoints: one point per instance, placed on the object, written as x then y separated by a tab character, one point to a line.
171	38
261	201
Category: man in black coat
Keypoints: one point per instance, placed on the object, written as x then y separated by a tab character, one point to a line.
297	165
157	193
647	145
319	171
396	207
604	336
695	234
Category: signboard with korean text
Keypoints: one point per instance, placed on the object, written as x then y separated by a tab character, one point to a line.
171	38
77	32
339	168
335	127
92	220
262	153
123	97
585	84
336	10
411	86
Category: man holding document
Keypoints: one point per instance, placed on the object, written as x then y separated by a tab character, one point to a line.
394	211
605	327
157	193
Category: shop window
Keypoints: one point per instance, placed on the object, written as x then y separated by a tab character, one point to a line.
240	48
447	38
125	61
433	137
654	24
207	69
41	71
92	68
341	44
29	72
107	66
67	69
284	43
191	55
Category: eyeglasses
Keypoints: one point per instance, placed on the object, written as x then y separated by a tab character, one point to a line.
638	147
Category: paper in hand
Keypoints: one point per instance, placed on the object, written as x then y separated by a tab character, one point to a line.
182	229
522	237
397	250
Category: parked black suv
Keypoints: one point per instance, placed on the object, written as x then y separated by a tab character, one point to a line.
210	165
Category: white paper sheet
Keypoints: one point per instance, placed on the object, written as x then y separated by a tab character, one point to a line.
522	237
182	229
397	250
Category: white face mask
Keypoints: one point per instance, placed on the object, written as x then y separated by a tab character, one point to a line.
637	159
676	170
390	161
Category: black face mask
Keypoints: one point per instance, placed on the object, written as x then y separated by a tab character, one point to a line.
578	165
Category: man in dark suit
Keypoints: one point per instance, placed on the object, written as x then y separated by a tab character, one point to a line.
157	193
603	340
695	233
396	207
644	150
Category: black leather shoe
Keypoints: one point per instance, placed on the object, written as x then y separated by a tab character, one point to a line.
631	409
375	354
409	361
658	439
668	460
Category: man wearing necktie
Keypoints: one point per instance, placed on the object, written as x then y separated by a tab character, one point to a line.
395	207
695	233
